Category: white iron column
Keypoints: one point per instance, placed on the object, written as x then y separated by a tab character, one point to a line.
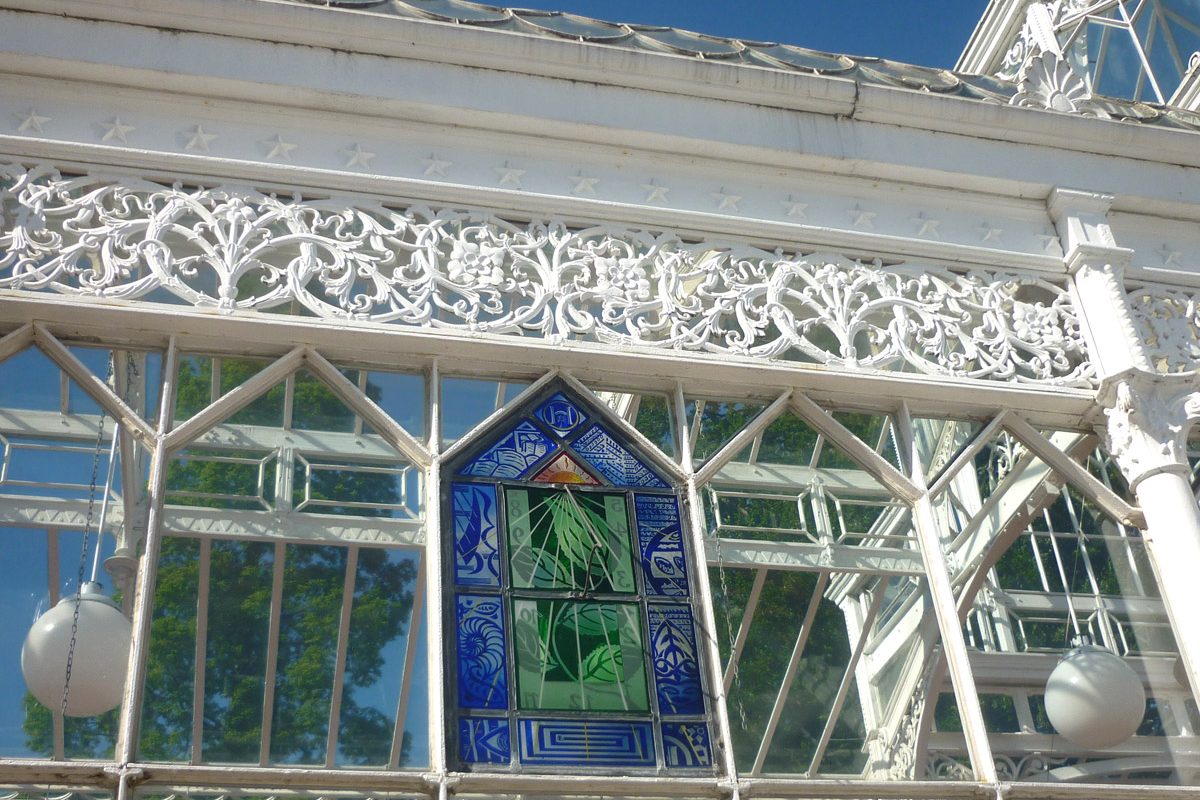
1148	415
1148	424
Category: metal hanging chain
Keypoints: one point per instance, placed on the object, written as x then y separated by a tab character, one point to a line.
83	549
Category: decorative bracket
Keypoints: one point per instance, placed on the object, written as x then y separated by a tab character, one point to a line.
1149	418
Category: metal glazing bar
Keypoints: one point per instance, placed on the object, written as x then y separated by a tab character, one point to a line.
339	664
16	341
143	604
379	420
743	437
410	660
204	571
52	572
93	384
949	625
279	563
743	632
789	674
967	454
237	399
1074	474
862	454
835	710
433	577
653	451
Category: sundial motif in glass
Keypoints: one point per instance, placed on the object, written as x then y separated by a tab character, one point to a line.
560	539
575	643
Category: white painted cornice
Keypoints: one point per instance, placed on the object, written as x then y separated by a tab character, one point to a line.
363	32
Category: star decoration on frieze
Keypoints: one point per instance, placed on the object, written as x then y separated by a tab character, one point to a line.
116	130
726	201
356	156
1170	258
33	122
990	233
582	184
655	192
861	218
510	176
199	139
927	226
436	167
1050	243
795	210
278	147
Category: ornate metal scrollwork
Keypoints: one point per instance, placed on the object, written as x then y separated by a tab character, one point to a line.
235	249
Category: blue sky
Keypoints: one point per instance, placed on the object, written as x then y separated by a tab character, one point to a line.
927	32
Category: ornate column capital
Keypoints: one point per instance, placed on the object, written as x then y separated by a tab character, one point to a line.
1148	420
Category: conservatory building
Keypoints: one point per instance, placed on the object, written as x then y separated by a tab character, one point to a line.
426	399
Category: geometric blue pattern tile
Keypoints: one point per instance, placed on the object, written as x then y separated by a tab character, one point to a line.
482	677
613	461
686	745
676	665
484	741
560	414
523	447
476	540
660	540
586	743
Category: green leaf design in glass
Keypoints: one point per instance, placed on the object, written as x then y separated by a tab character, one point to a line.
568	539
579	656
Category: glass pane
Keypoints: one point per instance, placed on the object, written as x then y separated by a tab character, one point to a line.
380	627
569	540
660	543
39	380
239	606
267	408
515	453
482	673
316	408
402	396
170	670
579	656
25	725
589	743
476	540
613	461
313	581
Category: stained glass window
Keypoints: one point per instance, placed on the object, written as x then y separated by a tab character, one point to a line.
575	642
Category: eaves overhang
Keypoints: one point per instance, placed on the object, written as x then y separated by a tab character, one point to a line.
348	32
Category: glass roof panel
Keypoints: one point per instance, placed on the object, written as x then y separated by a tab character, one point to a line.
456	10
572	25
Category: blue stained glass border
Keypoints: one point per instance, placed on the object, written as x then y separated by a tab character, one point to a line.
512	455
660	543
476	535
482	672
561	414
483	740
586	743
676	661
612	460
687	745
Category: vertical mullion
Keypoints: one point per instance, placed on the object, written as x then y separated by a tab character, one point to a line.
410	654
143	604
945	608
339	666
435	595
702	595
268	707
201	644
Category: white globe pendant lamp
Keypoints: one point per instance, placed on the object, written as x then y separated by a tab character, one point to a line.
98	659
1094	699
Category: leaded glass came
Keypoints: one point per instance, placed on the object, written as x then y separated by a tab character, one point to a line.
575	639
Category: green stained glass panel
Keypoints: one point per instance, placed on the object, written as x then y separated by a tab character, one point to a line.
579	656
563	539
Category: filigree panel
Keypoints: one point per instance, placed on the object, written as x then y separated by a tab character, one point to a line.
1168	323
233	249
